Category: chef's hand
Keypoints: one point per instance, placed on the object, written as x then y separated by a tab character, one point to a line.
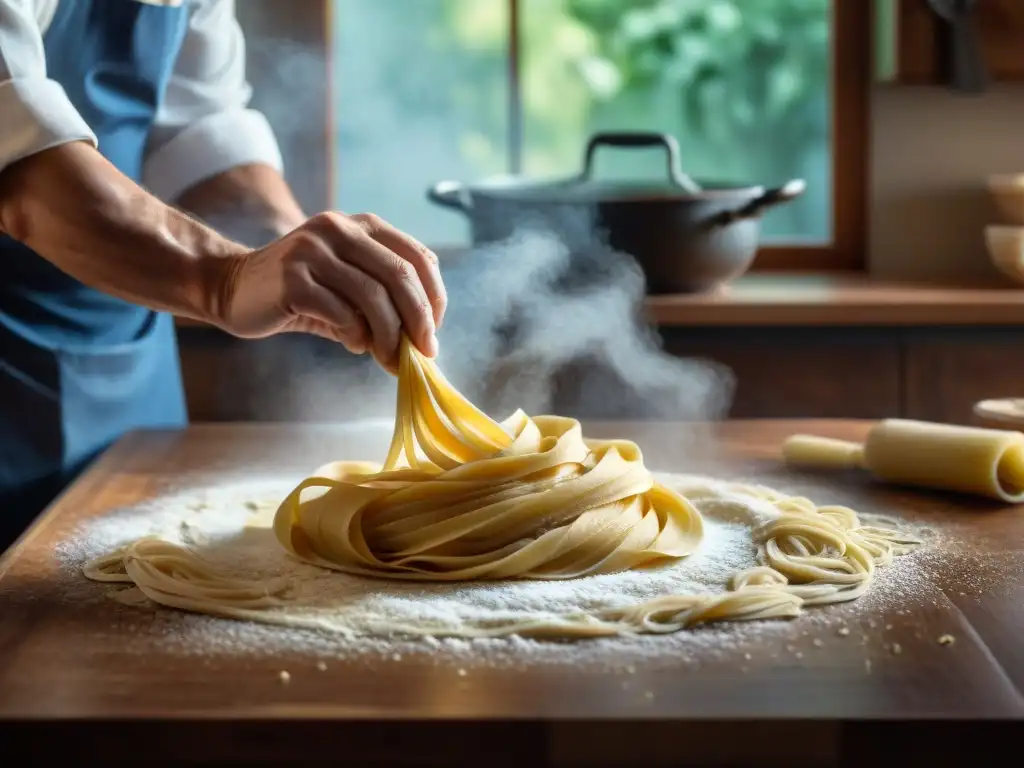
352	279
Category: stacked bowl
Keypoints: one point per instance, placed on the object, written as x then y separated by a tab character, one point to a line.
1005	241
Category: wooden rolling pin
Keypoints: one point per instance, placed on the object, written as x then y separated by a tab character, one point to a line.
985	462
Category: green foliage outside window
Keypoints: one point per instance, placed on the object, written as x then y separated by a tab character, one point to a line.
742	84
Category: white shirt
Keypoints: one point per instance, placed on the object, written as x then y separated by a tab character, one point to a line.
204	126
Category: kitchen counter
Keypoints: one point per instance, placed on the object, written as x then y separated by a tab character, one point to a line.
88	678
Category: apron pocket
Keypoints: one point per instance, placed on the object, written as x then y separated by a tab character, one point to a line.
110	390
31	442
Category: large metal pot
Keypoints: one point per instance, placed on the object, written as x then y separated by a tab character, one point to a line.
687	237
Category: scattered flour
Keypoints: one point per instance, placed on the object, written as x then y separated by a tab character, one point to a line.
228	525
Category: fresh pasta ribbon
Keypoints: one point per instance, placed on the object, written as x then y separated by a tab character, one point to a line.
461	497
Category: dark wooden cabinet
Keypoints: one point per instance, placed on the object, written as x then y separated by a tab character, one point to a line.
911	40
777	373
947	371
801	372
936	374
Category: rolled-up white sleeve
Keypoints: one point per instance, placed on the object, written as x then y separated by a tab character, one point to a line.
205	126
35	112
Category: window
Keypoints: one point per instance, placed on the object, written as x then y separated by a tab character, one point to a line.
754	90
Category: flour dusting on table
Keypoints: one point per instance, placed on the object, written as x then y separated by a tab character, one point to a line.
218	523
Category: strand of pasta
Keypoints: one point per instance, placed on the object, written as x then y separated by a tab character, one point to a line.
462	497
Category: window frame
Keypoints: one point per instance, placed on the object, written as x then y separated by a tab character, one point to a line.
852	66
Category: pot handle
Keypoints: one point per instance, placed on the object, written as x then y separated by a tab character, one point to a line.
450	194
768	199
640	139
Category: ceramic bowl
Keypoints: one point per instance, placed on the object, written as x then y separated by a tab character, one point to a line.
1005	245
1000	413
1007	190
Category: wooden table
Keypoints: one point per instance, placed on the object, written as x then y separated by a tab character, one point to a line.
72	675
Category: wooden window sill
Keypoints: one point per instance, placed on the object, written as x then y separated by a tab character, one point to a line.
851	300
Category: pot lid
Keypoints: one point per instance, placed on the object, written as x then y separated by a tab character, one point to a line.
581	190
584	188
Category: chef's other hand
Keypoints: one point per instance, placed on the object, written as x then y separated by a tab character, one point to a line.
353	279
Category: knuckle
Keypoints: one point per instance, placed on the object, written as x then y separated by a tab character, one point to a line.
302	240
297	261
403	270
425	312
419	253
371	222
340	226
351	234
420	320
327	218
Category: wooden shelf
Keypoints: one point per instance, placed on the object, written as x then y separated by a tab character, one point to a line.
780	299
816	300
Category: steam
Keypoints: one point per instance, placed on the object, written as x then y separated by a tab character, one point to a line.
289	93
540	322
538	325
531	324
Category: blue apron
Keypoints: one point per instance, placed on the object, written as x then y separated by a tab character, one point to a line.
79	368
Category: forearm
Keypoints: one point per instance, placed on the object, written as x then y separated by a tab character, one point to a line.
250	203
75	209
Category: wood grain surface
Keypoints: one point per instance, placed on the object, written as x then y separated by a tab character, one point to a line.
85	677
